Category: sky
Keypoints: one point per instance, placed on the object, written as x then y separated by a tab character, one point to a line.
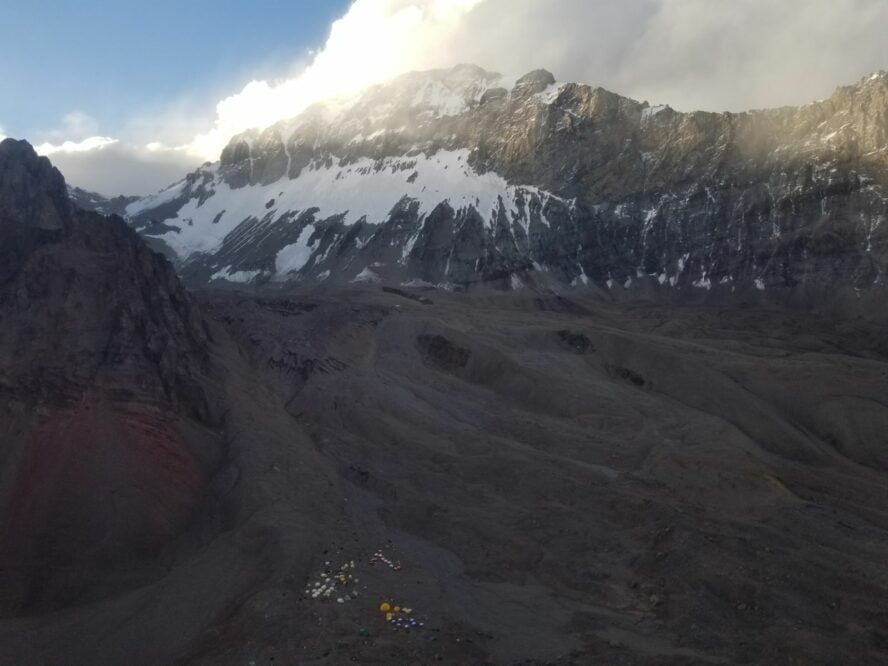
127	96
110	58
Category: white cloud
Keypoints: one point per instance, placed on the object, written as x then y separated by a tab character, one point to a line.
689	53
109	165
78	132
78	125
374	41
122	168
87	145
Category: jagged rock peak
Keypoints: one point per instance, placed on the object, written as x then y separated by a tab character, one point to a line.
534	82
32	192
876	78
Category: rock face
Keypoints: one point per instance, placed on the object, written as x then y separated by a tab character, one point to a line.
456	178
33	206
103	394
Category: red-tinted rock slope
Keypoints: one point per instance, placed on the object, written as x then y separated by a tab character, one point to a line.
105	420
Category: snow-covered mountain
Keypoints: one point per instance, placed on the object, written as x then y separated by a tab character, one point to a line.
457	177
97	203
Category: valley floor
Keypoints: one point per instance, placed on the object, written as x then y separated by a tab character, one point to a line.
553	481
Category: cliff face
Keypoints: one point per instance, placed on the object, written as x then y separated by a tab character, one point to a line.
455	178
104	396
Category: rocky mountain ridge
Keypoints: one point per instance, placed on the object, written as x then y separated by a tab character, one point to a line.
455	178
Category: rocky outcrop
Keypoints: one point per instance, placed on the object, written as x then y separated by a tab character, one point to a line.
457	178
105	395
34	205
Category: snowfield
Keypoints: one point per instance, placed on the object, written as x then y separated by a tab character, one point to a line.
363	190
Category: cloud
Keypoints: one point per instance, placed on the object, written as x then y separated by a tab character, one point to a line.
699	54
122	168
689	53
113	166
87	145
78	125
373	42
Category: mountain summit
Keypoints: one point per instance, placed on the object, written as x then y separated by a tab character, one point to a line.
458	177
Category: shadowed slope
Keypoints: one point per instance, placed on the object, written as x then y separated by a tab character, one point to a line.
103	378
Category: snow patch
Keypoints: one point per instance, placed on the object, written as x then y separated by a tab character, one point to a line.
294	257
368	276
416	283
171	193
703	283
649	112
550	94
364	188
241	277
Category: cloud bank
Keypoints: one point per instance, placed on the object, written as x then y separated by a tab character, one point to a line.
88	144
374	41
693	54
120	168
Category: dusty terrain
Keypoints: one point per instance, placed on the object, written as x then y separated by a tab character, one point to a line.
560	480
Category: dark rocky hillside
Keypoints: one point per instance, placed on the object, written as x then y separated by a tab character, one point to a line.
246	476
107	405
